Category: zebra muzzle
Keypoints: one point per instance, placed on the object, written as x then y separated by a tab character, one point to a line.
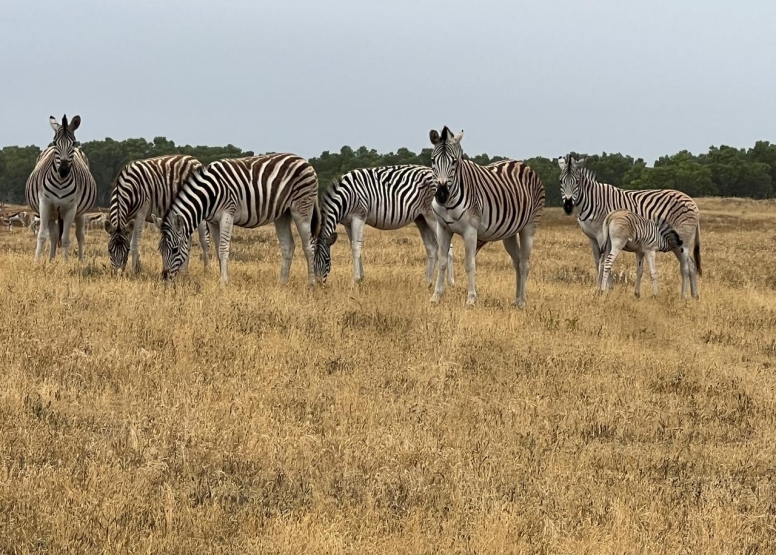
442	194
568	206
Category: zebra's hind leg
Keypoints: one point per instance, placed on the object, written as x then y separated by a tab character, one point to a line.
684	266
305	229
526	246
511	246
429	242
283	230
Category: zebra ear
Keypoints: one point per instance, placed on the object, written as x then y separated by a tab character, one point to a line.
157	222
434	136
579	163
130	227
457	137
54	123
74	123
562	162
332	238
107	226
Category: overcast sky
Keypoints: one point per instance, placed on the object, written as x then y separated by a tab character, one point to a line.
522	78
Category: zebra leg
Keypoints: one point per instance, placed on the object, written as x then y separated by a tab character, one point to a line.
134	244
444	237
639	272
79	236
429	241
203	242
693	276
511	246
225	238
684	266
67	222
526	246
470	246
357	242
215	239
652	271
305	230
596	253
43	229
283	231
53	237
610	258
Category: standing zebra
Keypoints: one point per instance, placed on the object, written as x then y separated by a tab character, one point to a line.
388	197
579	188
483	204
623	228
143	191
61	189
248	192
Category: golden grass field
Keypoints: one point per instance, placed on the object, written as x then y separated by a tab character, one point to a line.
355	419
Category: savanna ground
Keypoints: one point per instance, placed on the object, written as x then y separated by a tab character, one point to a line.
142	418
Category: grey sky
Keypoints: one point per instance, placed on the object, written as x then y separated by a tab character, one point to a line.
523	78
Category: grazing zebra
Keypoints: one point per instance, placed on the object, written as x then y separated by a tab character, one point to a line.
388	197
623	228
35	225
93	221
579	188
143	191
61	189
248	192
483	204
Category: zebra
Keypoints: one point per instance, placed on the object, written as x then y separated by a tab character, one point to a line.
23	218
248	192
143	191
483	204
623	228
594	200
387	197
61	189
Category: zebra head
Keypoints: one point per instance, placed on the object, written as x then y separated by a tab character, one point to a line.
64	143
174	244
570	172
322	262
118	244
445	157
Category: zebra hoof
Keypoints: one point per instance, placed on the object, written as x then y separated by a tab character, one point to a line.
518	303
471	301
434	299
637	294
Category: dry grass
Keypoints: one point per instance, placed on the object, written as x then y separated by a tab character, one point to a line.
139	418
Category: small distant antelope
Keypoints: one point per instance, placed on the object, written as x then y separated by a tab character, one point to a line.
23	218
623	228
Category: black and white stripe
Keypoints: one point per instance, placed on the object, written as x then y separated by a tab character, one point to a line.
594	201
248	192
497	202
623	228
142	192
387	197
61	189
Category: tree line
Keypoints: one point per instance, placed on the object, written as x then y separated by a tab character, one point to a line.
722	171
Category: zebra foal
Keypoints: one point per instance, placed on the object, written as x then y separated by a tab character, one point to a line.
623	228
248	192
594	201
143	191
61	189
497	202
387	197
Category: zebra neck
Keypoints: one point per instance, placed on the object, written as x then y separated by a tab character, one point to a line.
594	203
334	207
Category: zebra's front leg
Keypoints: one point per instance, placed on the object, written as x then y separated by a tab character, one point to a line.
357	242
79	236
67	222
450	272
225	238
134	243
652	271
43	229
470	248
444	237
286	240
639	272
203	242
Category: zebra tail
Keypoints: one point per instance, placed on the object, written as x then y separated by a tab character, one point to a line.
670	236
696	254
315	222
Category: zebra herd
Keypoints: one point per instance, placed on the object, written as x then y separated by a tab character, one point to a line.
502	201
